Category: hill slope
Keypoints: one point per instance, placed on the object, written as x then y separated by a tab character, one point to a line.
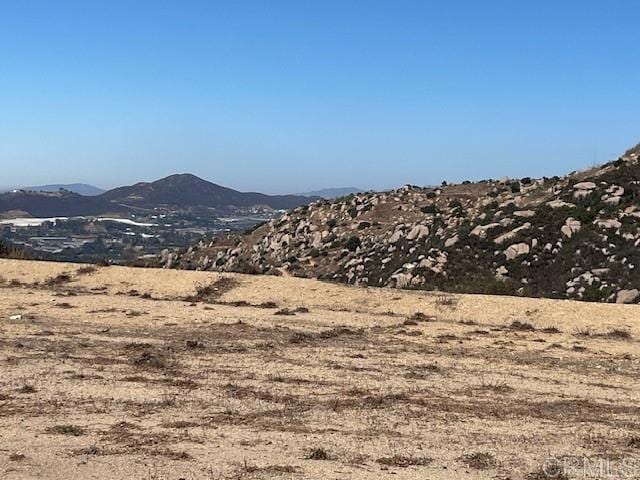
189	190
79	188
333	192
571	237
175	192
51	204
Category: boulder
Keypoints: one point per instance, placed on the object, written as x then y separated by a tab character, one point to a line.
516	250
584	186
317	240
450	242
402	280
501	273
418	232
397	234
557	203
481	230
627	296
570	227
524	213
509	235
609	223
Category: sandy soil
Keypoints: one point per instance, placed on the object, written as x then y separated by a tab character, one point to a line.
115	373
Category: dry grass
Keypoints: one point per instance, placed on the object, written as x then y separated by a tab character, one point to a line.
404	461
479	460
213	291
59	279
73	430
342	389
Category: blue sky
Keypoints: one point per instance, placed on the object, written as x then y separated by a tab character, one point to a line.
285	96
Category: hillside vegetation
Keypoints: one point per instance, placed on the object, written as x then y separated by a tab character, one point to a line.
572	237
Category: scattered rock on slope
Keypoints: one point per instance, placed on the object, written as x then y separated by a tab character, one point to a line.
563	237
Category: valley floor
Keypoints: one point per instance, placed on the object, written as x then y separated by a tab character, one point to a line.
114	372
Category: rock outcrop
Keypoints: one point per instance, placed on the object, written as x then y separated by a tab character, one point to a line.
563	237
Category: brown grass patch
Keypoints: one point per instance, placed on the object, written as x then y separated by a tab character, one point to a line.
210	293
479	460
404	461
71	430
318	453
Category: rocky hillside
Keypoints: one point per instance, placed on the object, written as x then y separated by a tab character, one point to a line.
563	237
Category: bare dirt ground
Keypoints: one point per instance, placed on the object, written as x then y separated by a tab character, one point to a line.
113	373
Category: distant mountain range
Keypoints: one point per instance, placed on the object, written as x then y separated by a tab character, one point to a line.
330	193
176	192
79	188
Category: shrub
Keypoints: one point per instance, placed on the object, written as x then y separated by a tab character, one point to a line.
12	252
429	209
479	460
404	461
522	326
71	430
352	244
253	228
318	454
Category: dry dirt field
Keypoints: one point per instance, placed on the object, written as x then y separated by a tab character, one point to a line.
114	373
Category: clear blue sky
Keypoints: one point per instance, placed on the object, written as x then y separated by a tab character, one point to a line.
282	96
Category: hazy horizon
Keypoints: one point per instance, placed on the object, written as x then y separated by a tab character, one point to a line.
70	183
288	97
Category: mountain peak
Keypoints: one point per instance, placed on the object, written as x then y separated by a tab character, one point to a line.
182	179
181	191
181	176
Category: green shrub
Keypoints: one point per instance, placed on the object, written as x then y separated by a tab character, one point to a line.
429	209
352	244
